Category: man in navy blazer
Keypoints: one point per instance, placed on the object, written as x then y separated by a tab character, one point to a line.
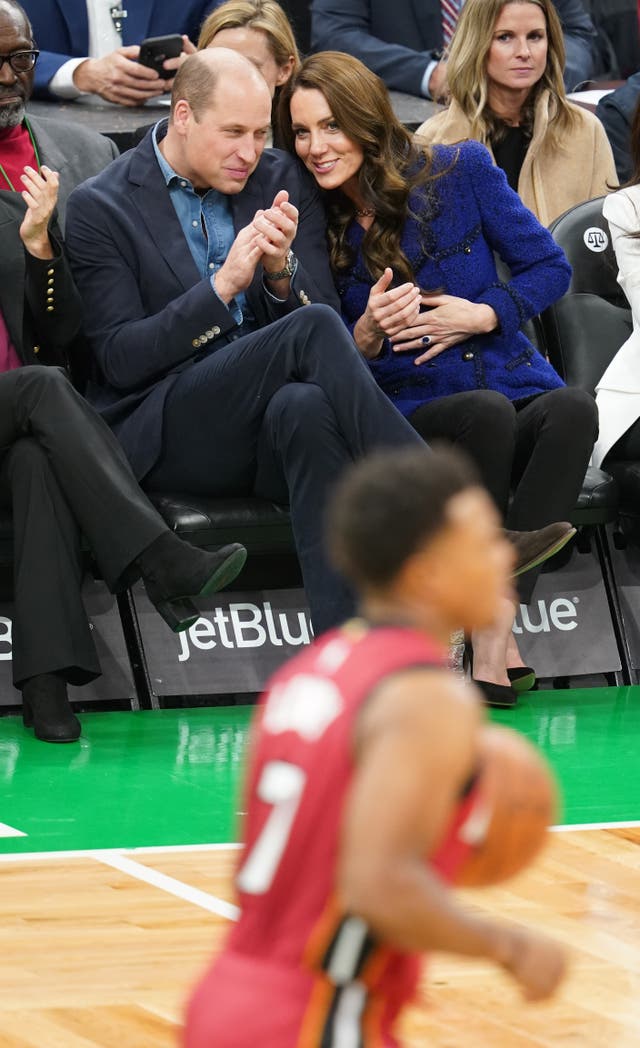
221	365
69	28
401	41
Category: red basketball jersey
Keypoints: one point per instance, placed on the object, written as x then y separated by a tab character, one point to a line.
296	972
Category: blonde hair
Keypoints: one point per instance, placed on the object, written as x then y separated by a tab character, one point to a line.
467	68
264	15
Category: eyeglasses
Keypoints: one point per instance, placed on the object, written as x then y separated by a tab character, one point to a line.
20	61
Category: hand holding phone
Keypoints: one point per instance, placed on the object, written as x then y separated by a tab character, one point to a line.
156	49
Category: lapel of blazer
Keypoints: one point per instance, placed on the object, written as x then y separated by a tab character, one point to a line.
150	197
50	152
12	269
136	25
245	204
74	15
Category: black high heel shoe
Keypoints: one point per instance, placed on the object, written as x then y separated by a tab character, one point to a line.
46	709
498	696
173	572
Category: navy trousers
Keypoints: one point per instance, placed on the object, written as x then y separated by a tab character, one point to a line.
279	413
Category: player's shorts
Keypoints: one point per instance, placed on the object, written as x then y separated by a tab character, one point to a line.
245	1003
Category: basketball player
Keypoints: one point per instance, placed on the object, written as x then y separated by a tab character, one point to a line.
364	746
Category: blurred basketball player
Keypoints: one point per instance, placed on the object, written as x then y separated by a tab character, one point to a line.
364	746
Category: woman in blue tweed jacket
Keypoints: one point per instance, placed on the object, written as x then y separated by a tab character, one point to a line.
413	233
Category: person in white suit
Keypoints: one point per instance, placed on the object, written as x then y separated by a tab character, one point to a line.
618	391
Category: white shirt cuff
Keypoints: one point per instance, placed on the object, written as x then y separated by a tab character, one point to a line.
61	83
424	86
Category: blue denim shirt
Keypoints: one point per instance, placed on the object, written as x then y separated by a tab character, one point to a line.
211	209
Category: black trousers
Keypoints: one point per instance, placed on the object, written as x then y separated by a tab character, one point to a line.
538	448
62	472
279	413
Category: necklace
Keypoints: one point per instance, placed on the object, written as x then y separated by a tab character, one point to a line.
365	212
35	150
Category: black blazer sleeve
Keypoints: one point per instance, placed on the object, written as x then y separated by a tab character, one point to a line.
52	308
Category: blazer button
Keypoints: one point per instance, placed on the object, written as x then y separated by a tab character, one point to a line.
49	309
215	330
467	249
36	349
50	272
468	355
195	343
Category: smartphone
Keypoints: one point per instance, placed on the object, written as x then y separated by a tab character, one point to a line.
155	49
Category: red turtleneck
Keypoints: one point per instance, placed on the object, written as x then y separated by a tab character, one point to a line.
16	151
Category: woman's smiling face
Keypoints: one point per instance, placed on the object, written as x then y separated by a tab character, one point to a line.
333	159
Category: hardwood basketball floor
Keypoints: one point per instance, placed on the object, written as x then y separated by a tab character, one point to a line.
114	895
93	956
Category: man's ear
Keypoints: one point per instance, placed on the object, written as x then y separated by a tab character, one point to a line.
182	113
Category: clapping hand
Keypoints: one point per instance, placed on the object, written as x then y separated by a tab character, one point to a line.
276	229
40	195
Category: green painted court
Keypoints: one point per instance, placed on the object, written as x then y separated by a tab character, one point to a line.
171	777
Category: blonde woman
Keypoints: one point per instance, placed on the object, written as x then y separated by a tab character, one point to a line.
259	30
505	80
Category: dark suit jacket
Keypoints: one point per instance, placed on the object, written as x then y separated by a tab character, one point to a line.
397	40
29	286
616	112
62	27
148	313
76	153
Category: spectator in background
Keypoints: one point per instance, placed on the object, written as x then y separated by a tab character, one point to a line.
75	153
505	78
92	46
618	391
62	471
259	30
616	23
616	113
413	236
403	41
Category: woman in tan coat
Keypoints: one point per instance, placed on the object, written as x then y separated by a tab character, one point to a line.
504	75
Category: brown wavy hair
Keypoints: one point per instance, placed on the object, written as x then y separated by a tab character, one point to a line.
467	70
392	167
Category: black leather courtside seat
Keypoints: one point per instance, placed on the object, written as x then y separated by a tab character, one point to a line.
263	527
582	333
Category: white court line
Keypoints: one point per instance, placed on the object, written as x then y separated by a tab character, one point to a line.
97	853
10	831
169	884
627	825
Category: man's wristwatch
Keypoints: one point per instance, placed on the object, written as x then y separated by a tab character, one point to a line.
290	267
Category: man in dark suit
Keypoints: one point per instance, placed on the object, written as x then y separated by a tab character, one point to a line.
402	42
61	470
222	368
75	153
92	46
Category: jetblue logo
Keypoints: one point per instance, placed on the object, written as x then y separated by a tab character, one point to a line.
596	239
246	625
560	614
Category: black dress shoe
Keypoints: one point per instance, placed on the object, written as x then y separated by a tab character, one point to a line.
523	678
498	696
173	571
46	709
534	547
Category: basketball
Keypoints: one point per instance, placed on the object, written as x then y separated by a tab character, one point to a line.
516	803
